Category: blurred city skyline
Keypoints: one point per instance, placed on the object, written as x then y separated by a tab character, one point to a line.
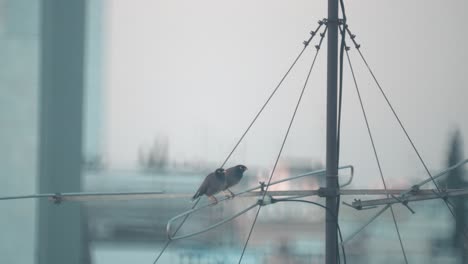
197	73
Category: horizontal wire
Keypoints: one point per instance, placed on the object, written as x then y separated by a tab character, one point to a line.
407	192
247	194
360	205
93	196
77	195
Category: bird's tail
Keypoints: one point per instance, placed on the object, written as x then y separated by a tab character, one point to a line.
197	194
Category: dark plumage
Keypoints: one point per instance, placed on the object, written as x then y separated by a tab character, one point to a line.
233	177
213	183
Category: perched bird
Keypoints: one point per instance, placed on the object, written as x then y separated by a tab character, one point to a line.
213	183
233	176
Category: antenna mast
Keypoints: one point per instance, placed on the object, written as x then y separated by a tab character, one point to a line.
332	151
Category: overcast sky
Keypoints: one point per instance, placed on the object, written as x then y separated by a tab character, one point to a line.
196	72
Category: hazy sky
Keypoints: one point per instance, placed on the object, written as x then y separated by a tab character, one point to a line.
197	72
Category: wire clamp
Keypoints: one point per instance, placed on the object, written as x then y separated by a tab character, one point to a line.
414	189
57	198
403	202
262	186
332	21
442	194
265	200
358	206
353	36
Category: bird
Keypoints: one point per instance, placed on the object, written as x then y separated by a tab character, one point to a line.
213	183
233	176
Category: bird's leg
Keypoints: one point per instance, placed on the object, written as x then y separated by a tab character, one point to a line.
231	193
213	200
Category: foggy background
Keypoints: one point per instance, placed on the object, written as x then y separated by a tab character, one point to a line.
197	72
169	88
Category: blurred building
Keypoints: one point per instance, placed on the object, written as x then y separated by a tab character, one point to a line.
19	90
20	52
94	74
284	232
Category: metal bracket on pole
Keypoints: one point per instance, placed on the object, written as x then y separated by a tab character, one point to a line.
358	204
328	192
415	193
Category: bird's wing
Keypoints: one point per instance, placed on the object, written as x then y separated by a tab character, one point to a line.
203	187
220	177
215	184
232	177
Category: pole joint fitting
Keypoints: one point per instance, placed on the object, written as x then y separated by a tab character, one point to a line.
328	192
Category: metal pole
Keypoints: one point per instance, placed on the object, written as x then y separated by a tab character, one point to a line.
60	230
332	155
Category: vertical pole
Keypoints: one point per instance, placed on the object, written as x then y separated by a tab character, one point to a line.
332	156
60	237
